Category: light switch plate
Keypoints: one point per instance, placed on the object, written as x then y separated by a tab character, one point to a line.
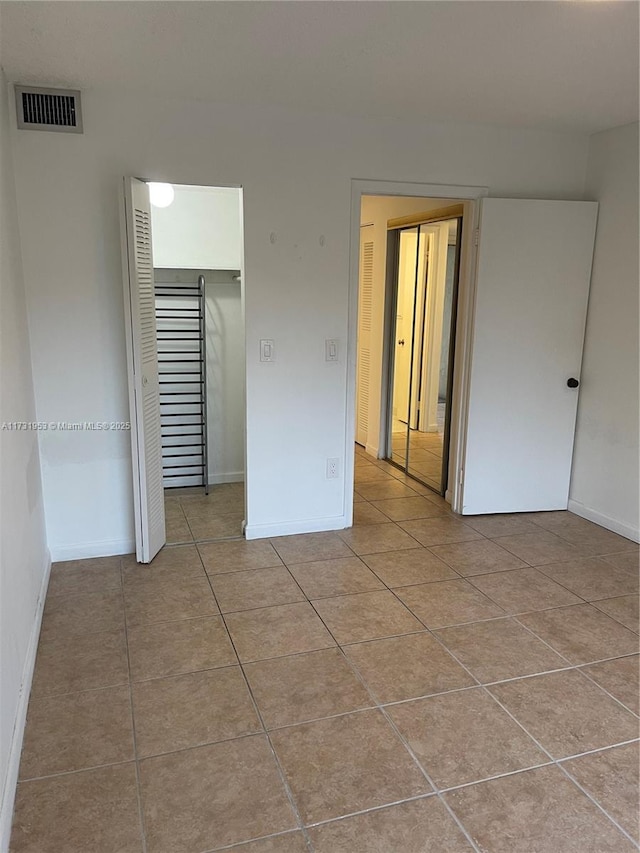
331	349
267	350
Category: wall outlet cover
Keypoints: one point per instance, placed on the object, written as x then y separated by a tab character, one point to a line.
333	468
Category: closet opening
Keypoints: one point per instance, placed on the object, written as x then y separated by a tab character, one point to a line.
182	265
198	298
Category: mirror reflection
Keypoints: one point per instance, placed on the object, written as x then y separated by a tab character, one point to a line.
425	291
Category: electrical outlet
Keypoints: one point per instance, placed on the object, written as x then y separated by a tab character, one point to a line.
333	468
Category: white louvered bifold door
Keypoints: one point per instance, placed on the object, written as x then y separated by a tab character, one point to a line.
142	362
365	309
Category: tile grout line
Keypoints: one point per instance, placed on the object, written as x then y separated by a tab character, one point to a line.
280	769
337	715
410	751
394	728
368	708
578	555
381	708
237	845
541	569
541	527
544	566
549	763
89	769
615	618
133	726
428	796
588	663
545	751
552	760
569	666
596	803
428	630
558	763
599	749
263	607
604	689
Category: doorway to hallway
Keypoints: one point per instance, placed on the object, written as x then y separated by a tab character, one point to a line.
423	283
407	310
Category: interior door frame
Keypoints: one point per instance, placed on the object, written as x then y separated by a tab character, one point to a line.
470	196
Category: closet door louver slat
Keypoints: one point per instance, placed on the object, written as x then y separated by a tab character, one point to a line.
181	341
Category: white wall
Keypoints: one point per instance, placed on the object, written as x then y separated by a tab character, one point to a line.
24	558
225	378
604	483
201	229
295	170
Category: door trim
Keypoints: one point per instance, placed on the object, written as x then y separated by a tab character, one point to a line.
470	196
430	216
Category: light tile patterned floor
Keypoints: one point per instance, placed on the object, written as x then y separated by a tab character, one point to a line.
192	516
420	683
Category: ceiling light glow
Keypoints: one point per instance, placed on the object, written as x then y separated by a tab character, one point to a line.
160	195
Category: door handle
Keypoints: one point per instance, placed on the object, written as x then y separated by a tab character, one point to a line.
401	342
572	383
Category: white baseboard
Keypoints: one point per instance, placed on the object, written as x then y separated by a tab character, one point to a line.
15	749
85	550
603	520
290	528
232	477
372	450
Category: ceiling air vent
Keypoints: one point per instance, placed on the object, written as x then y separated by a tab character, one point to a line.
48	109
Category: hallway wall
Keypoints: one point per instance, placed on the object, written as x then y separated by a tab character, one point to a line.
296	170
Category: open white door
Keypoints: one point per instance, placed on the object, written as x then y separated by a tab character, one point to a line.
365	314
532	287
142	362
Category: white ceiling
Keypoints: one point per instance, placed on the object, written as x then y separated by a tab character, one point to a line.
556	65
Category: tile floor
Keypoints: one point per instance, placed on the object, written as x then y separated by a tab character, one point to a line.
192	516
418	683
425	450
